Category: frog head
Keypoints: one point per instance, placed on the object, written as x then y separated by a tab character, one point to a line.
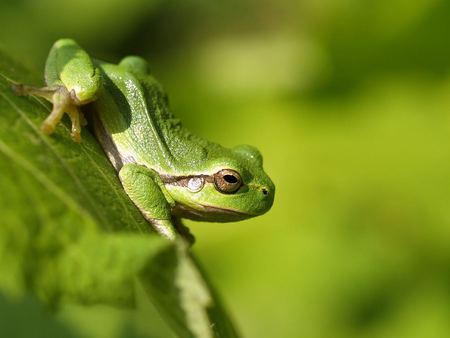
230	186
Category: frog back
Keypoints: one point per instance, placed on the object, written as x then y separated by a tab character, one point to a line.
135	125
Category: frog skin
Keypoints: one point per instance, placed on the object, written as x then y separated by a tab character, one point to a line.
167	172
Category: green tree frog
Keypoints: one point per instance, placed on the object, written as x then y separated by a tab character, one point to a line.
166	171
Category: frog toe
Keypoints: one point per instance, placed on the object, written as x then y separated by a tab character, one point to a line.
23	90
75	117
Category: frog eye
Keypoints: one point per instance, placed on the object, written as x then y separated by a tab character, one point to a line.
227	181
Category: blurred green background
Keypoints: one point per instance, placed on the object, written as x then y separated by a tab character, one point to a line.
348	101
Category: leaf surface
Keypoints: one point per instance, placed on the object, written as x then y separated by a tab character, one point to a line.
69	233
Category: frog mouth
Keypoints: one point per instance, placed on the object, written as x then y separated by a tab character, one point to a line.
209	213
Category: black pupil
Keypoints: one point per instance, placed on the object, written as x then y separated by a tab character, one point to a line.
230	179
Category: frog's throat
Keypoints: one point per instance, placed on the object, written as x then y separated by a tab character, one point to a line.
209	213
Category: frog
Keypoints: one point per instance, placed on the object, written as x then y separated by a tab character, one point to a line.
168	172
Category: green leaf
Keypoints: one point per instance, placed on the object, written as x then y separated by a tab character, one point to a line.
69	233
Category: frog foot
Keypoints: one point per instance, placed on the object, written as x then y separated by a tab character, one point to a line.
63	102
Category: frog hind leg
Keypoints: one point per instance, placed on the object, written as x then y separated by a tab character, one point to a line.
63	102
140	184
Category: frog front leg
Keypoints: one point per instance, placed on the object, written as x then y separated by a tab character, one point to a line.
62	103
145	189
72	80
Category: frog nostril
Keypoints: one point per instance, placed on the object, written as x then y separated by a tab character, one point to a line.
265	191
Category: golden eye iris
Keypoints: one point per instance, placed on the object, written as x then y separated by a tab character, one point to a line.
227	181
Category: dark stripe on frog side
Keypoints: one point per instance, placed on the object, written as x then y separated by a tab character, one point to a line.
183	180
